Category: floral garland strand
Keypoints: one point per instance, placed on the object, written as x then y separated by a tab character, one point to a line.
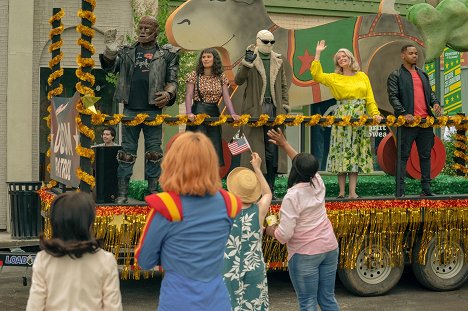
313	120
84	74
55	31
56	60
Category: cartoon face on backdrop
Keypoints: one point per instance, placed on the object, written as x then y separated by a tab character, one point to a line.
265	41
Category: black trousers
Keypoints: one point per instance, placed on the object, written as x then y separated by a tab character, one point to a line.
271	150
424	138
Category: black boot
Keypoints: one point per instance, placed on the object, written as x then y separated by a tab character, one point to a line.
153	185
122	191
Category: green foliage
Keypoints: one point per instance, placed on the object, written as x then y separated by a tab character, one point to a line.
112	78
368	186
163	14
449	145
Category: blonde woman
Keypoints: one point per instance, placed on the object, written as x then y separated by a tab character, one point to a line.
350	150
188	227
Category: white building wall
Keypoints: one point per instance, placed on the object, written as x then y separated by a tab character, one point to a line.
3	109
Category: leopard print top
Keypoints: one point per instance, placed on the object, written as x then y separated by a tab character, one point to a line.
210	86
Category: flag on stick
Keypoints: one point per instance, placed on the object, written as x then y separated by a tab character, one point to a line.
239	145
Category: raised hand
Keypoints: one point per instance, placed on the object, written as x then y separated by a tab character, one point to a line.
250	54
113	43
321	45
276	137
256	161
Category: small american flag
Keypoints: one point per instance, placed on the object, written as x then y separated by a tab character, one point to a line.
239	145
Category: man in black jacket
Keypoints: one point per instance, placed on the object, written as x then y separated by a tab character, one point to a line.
147	83
410	94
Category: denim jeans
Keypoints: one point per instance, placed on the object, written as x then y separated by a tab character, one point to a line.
130	135
313	278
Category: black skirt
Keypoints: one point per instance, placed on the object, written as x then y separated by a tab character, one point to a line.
213	132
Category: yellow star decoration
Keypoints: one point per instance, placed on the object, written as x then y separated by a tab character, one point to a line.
89	101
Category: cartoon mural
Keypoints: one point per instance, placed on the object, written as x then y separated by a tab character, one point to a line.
231	26
444	25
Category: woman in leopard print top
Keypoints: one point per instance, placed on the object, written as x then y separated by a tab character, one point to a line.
204	88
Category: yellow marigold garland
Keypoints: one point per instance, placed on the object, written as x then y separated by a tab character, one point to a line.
88	15
222	119
243	119
461	137
55	61
86	45
374	121
56	31
279	120
182	119
390	120
84	90
89	179
85	76
55	46
297	121
460	145
139	118
84	129
199	118
344	121
57	16
158	120
429	122
85	62
117	118
98	118
362	121
314	120
262	120
329	120
85	30
460	168
460	154
85	152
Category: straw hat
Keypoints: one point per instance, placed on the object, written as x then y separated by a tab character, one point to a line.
244	183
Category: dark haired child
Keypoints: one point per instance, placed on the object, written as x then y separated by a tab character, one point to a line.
72	272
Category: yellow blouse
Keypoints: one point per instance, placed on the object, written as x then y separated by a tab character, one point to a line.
346	87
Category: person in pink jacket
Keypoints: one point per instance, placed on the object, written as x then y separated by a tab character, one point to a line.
307	231
72	272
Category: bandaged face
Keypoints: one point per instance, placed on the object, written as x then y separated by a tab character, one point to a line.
265	41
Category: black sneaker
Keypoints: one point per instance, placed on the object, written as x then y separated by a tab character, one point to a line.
427	193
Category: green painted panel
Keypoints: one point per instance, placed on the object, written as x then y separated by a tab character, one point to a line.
339	8
306	39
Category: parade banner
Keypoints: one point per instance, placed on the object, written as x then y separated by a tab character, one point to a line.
430	68
452	82
65	137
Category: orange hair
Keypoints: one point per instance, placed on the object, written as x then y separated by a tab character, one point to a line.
190	166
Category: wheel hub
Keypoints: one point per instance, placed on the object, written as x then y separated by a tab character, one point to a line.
447	261
373	265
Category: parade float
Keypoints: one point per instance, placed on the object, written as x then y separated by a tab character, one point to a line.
377	234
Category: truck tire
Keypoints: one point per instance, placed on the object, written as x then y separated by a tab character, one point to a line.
440	273
373	275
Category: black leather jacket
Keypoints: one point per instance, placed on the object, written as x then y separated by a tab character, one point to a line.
162	76
401	94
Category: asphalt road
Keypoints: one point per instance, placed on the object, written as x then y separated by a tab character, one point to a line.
142	295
